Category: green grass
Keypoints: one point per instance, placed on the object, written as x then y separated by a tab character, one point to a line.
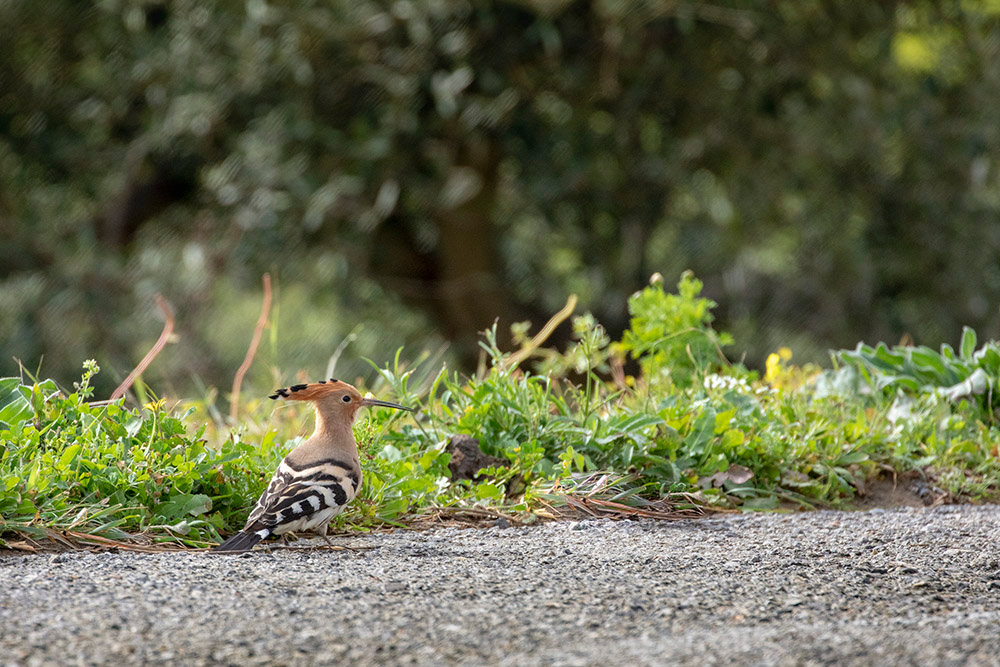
690	423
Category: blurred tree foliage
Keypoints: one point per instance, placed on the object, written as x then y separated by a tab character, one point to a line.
410	170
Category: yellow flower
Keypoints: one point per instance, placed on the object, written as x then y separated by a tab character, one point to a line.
772	367
155	406
782	375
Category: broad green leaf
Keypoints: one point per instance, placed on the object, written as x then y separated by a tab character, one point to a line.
15	407
886	358
963	448
733	438
968	344
181	505
488	490
990	361
427	460
851	457
639	421
68	456
393	508
702	431
926	359
884	381
33	476
723	419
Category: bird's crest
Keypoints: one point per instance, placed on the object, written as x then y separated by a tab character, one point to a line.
312	391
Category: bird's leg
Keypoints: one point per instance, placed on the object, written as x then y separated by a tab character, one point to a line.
321	530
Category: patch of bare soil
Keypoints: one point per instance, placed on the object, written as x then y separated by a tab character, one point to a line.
900	490
910	489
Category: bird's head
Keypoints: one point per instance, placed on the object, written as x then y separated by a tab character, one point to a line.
333	398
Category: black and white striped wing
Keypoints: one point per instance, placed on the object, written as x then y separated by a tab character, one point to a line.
304	497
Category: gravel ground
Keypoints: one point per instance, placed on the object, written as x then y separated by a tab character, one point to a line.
910	586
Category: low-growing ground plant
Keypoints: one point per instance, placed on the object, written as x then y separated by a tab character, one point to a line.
690	427
110	470
968	374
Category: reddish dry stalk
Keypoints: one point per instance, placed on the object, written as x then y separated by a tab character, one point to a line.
265	308
168	328
529	347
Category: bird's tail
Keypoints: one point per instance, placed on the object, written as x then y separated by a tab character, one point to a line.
241	541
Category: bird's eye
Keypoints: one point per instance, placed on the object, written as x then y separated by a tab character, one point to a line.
346	399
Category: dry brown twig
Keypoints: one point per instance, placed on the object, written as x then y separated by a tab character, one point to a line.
680	506
529	348
436	517
265	309
168	329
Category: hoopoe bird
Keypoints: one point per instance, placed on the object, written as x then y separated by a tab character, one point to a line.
317	479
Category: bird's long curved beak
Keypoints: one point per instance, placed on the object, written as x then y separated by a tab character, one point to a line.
385	404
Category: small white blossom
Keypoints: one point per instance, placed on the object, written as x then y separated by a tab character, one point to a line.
716	381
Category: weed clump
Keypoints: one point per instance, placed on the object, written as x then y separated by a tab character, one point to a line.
690	428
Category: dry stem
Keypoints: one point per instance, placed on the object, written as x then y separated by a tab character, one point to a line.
265	308
529	348
168	328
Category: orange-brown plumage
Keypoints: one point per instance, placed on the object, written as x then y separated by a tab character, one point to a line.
312	391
